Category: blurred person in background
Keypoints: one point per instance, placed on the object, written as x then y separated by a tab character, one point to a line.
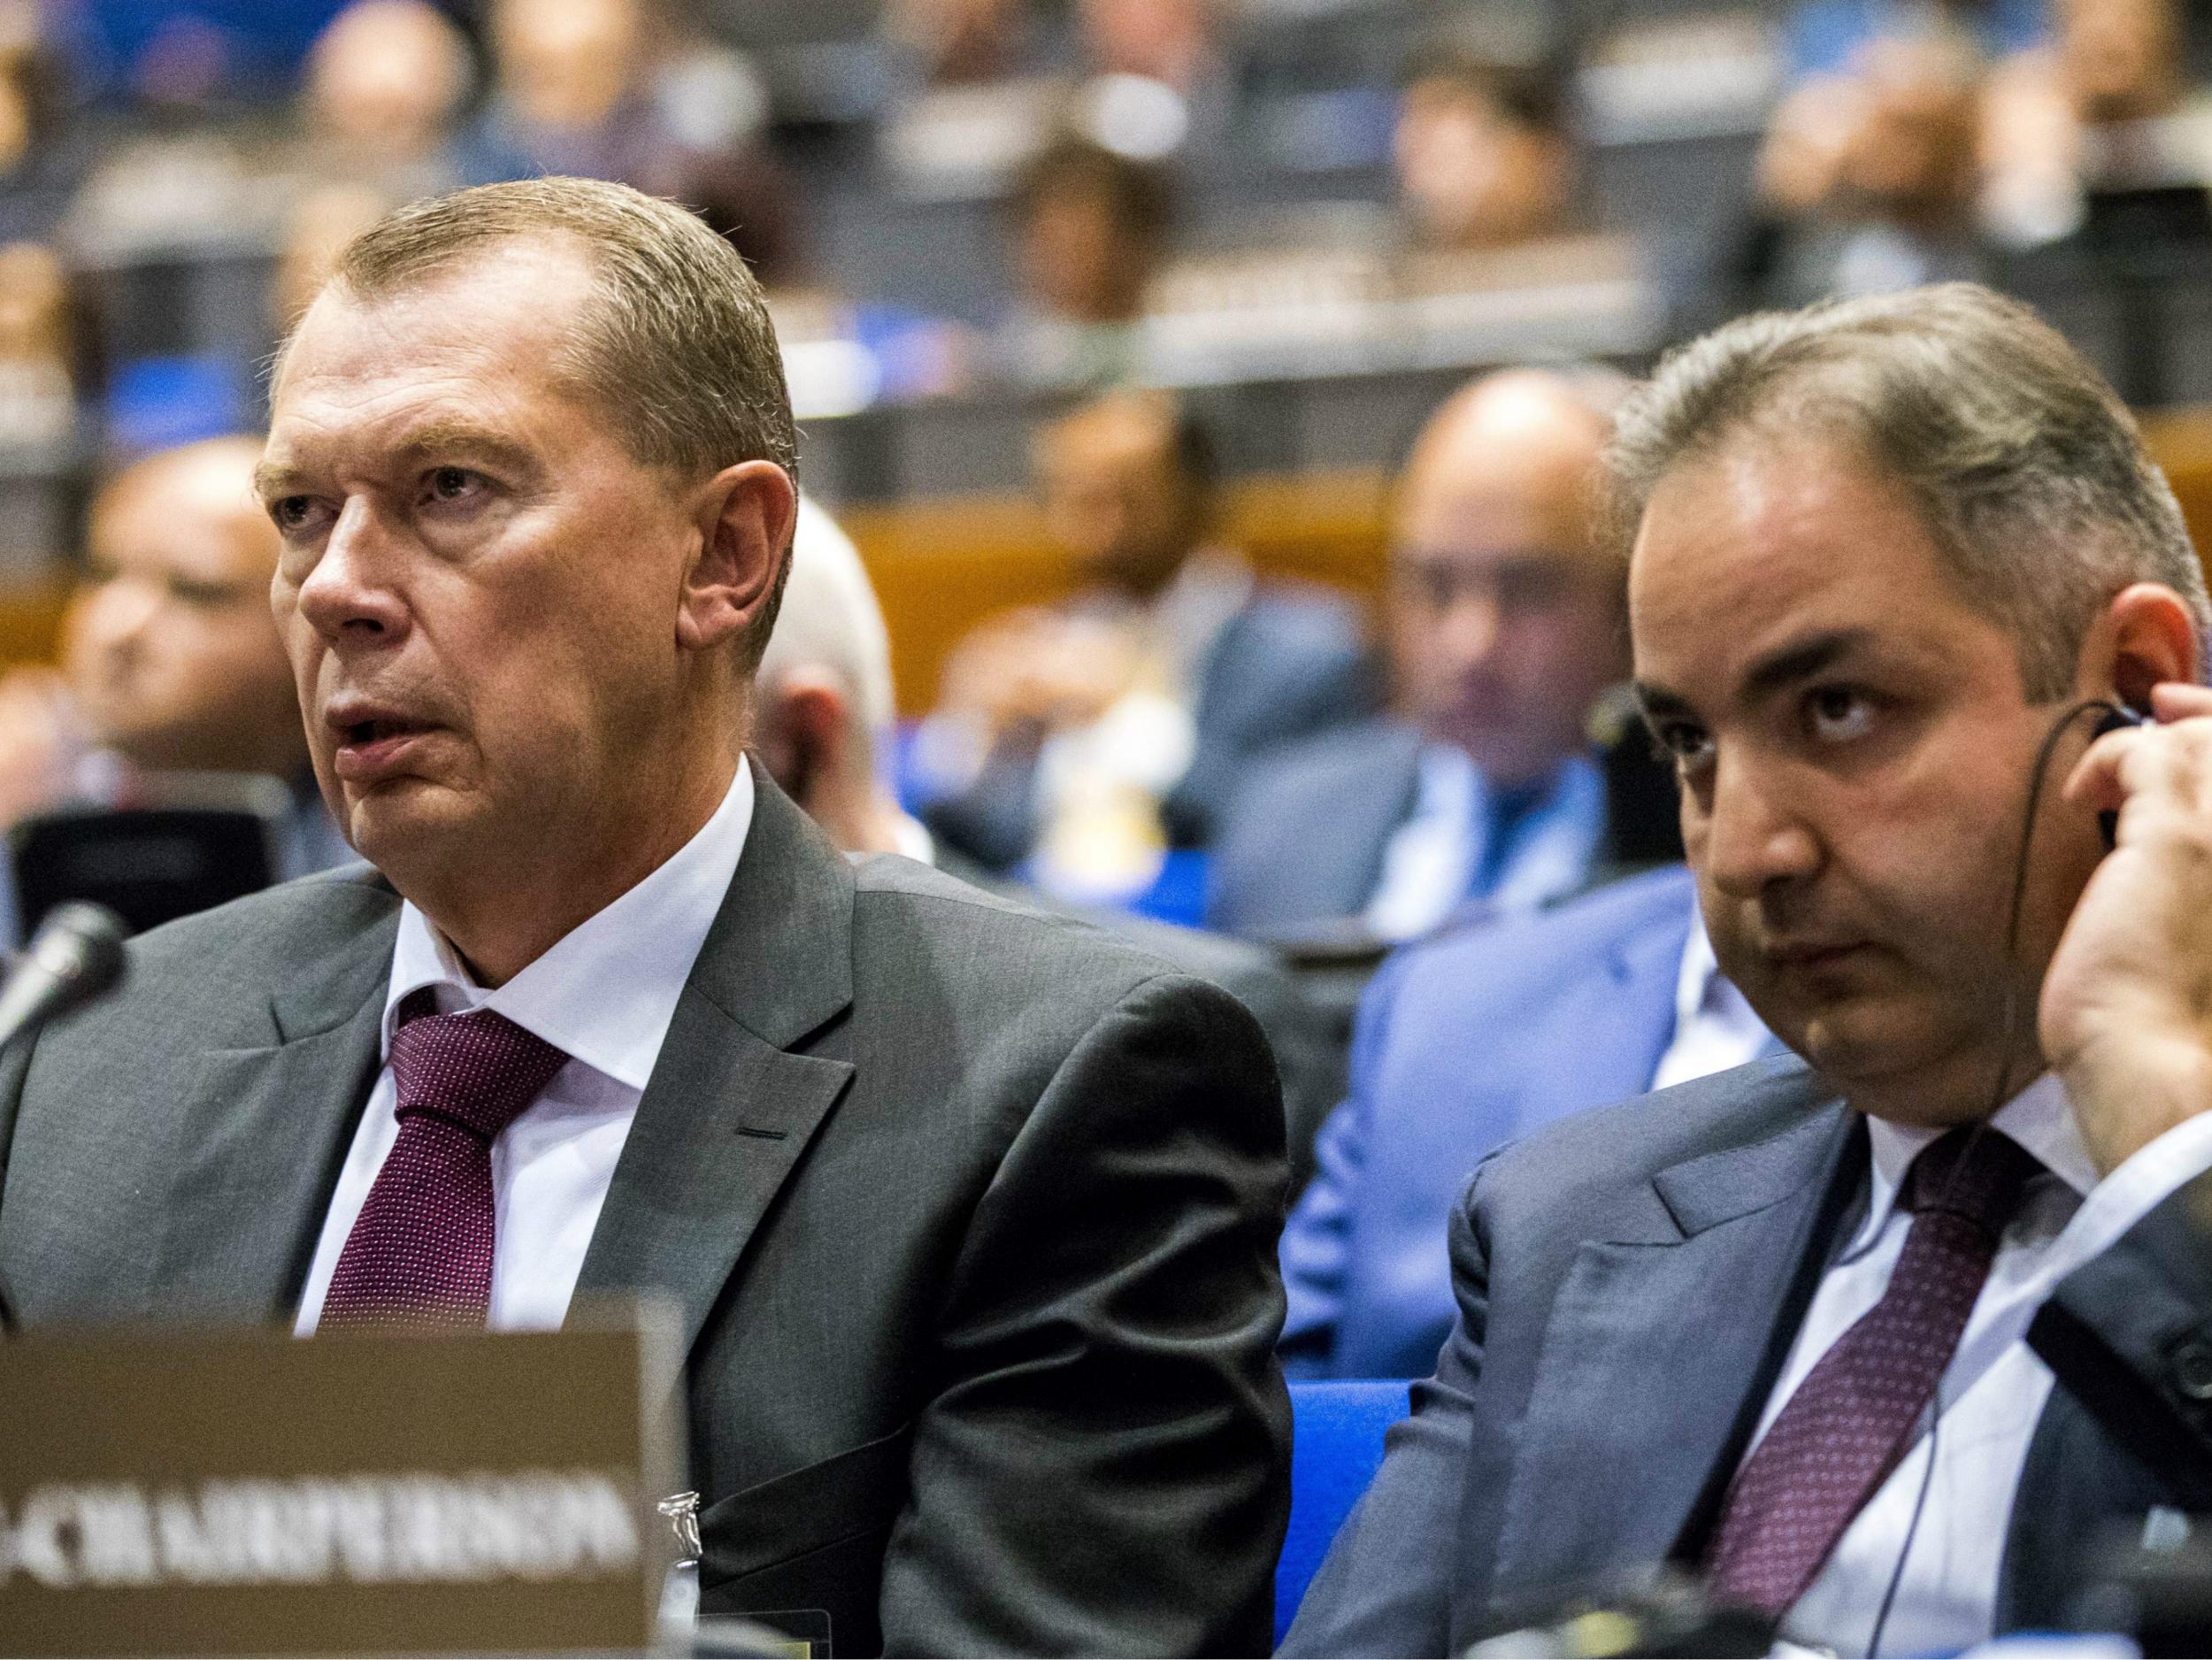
1869	182
1466	1041
1088	230
385	87
961	43
41	359
42	156
2109	104
614	89
321	222
1175	43
1483	154
1099	733
1505	624
1822	37
824	711
170	659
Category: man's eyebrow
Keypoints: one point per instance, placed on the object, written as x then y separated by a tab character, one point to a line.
1800	660
1783	668
465	438
270	477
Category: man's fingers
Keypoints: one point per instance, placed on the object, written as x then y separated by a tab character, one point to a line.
2176	700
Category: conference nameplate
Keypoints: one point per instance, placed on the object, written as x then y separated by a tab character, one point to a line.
165	1492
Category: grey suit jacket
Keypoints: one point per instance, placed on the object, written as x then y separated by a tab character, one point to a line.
971	1214
1629	1284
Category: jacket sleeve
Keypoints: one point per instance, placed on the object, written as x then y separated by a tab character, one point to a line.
1318	1239
2145	1302
1385	1585
1103	1467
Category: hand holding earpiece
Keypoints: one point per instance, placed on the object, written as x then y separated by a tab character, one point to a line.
2126	1012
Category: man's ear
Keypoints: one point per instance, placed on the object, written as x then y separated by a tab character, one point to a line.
2152	640
745	515
801	731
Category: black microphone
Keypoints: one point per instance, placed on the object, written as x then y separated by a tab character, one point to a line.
76	955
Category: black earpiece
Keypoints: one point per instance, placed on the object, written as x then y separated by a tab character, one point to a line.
2116	717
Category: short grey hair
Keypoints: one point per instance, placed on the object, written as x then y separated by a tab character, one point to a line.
831	621
2028	469
679	351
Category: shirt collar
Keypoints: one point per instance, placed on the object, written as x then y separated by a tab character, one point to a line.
606	991
1700	969
2039	1117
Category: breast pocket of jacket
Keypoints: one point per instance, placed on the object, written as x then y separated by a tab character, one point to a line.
807	1547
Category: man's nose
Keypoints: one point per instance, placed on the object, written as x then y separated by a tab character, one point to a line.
1471	626
1753	835
348	596
120	611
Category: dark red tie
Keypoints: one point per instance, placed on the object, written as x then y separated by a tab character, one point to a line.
419	1257
1852	1420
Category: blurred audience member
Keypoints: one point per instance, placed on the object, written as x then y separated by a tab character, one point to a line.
1483	154
1099	733
1869	182
961	43
170	659
2108	105
321	223
38	351
1506	628
1089	230
1469	1040
1822	37
42	158
386	83
824	707
1172	42
589	87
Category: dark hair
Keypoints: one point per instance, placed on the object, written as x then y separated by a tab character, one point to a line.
1529	97
1138	194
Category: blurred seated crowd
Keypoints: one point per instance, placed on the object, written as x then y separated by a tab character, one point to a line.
1257	779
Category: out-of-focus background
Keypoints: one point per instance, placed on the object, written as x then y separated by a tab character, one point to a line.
1307	219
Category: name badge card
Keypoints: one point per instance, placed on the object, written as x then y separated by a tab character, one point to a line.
165	1492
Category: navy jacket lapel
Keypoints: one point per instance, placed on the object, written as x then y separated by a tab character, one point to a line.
1663	1342
735	1099
262	1139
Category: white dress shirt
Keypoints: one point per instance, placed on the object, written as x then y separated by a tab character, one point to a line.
605	993
1715	1025
1992	1394
1430	862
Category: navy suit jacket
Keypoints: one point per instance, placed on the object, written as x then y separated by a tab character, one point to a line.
1629	1282
1289	664
1465	1042
1302	839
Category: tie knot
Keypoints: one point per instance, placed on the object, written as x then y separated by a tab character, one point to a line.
1974	1171
480	1070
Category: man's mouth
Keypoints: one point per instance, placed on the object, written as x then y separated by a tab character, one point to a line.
373	744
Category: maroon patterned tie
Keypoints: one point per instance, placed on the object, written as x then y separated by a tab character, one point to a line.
419	1258
1851	1420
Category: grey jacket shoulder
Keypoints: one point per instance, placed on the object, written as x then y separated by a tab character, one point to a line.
218	972
1577	1170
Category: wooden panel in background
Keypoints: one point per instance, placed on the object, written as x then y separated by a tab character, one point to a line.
942	566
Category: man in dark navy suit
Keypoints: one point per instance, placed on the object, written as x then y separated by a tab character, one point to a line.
1485	783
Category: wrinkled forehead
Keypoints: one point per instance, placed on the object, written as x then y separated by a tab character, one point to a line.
465	351
514	307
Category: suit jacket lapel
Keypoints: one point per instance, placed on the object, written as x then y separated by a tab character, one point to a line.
731	1106
1660	1349
263	1135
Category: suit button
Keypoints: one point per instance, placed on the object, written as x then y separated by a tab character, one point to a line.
2192	1369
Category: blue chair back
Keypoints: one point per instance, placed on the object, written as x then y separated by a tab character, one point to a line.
1336	1448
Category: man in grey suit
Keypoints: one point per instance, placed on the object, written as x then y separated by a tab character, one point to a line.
969	1214
1878	1342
